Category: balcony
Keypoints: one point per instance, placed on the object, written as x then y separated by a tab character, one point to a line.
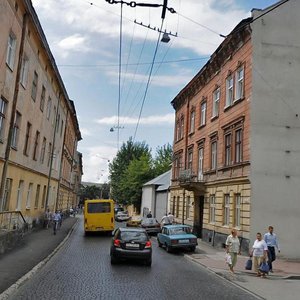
191	182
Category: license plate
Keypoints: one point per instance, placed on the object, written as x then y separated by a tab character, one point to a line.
184	241
132	246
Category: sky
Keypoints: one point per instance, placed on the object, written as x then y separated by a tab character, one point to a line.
117	101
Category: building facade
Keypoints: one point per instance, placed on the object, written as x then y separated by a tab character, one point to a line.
34	115
235	138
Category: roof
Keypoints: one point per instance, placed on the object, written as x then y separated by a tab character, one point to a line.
176	226
162	180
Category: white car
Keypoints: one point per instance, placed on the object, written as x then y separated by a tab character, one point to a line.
122	216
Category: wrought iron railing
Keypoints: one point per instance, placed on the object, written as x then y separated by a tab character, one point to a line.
187	175
12	220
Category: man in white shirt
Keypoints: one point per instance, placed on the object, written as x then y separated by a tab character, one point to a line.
165	220
272	243
171	218
259	253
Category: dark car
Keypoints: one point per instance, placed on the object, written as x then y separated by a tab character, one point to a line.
177	236
131	243
151	225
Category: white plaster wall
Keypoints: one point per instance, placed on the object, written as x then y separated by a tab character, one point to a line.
161	205
275	126
148	198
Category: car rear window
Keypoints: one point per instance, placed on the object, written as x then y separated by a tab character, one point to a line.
179	230
96	208
134	235
149	221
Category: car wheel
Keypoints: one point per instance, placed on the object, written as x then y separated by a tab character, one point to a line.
113	260
193	248
148	262
168	248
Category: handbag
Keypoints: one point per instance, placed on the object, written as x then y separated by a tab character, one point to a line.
228	259
248	265
264	267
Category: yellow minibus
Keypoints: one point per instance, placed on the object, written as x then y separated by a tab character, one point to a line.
99	215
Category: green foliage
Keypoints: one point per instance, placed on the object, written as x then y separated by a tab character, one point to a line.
95	192
163	159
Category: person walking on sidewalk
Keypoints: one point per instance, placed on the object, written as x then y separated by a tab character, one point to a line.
259	252
272	242
56	219
233	248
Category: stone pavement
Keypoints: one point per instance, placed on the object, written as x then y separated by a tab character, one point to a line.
32	252
284	283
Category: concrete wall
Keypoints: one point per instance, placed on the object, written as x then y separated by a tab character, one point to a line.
161	204
148	198
275	123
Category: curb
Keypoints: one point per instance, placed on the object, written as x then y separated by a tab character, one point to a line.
4	295
223	277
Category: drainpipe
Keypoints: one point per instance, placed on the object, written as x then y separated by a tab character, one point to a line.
52	154
13	113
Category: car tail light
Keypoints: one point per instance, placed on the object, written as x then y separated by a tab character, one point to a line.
148	244
174	242
117	243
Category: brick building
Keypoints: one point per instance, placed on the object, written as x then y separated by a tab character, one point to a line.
233	136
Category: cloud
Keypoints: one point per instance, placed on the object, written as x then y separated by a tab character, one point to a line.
150	120
85	132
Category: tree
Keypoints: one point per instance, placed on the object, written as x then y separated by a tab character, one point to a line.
90	192
138	173
128	152
163	159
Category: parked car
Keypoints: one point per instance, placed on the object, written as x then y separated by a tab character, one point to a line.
135	221
151	225
176	237
131	243
122	216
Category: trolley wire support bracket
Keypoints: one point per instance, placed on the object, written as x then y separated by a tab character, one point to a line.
155	28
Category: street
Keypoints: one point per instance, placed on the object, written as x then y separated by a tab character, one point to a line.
82	270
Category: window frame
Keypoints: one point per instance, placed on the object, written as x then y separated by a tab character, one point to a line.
227	149
11	51
226	210
237	210
212	208
229	90
213	154
16	130
34	86
192	120
203	109
24	71
216	102
3	107
239	84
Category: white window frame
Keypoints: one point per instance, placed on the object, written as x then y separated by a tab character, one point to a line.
187	207
49	106
34	87
20	195
3	105
237	210
214	150
43	98
11	50
226	215
24	71
203	114
192	121
212	209
200	163
37	196
238	149
229	91
239	83
216	102
228	144
29	195
16	130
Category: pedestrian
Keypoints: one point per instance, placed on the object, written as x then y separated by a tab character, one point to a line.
165	220
47	218
233	248
56	219
149	214
259	252
272	243
171	218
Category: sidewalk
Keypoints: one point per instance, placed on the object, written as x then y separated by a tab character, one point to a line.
284	283
34	248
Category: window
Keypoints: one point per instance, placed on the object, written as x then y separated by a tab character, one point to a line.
192	121
187	207
203	114
49	105
2	116
177	207
229	91
43	150
213	159
237	210
29	193
11	51
7	193
37	196
200	163
43	95
173	208
19	195
49	154
24	71
181	127
238	146
36	145
239	83
54	116
16	130
190	160
97	208
226	214
34	86
44	196
216	102
212	208
177	166
27	139
228	149
178	130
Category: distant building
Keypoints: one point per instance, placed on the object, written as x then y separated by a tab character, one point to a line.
237	138
39	131
155	196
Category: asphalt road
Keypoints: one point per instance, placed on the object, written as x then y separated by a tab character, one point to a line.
82	270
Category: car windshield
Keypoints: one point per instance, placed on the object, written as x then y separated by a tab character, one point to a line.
149	221
179	230
134	236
